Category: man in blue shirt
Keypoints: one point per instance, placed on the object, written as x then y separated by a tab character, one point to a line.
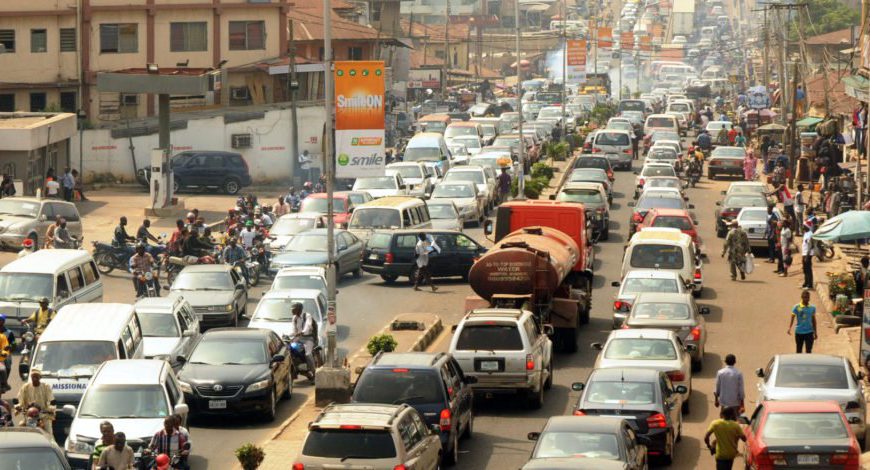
805	331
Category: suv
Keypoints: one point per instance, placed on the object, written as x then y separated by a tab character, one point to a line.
391	254
22	447
381	437
225	171
29	217
505	349
433	383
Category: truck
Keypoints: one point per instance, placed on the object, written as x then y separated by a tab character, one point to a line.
600	80
683	18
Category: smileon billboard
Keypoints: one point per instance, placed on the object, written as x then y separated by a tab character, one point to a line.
359	119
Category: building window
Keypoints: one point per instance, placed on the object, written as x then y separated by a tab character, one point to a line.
354	53
320	54
7	102
376	11
439	54
119	38
7	39
37	102
247	35
68	101
67	39
38	40
188	37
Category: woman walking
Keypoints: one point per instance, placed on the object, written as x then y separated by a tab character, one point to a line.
750	162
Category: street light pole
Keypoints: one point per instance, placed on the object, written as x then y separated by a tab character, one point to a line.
329	166
562	136
521	182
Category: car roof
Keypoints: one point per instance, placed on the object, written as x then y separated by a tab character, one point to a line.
46	261
663	297
814	359
406	359
106	320
640	374
652	274
323	195
651	333
17	437
807	406
358	414
157	304
669	212
207	268
302	271
130	372
583	424
583	185
292	294
390	201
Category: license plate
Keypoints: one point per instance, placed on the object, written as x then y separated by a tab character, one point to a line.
807	459
751	230
217	404
373	256
489	366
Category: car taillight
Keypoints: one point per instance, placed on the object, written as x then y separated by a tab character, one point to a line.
714	162
676	376
627	151
444	420
625	326
867	334
619	305
849	459
400	467
657	421
579	413
530	362
596	150
766	458
298	466
388	258
600	210
350	427
697	275
696	334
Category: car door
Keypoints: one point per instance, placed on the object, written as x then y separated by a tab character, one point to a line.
76	284
430	443
751	432
191	171
43	220
213	173
185	343
441	263
462	392
466	251
685	357
403	251
356	248
280	369
634	452
763	381
343	256
415	456
672	401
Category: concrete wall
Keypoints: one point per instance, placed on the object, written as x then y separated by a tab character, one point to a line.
268	158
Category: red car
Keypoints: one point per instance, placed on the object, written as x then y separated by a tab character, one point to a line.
316	204
672	218
800	434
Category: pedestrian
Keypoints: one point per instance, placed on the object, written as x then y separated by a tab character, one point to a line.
52	187
770	233
765	147
805	331
728	434
808	250
504	185
785	241
737	247
68	182
423	250
7	186
119	456
79	188
10	339
732	135
750	162
800	207
281	207
729	391
740	140
305	164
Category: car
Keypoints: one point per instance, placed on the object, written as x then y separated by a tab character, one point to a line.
555	114
713	128
217	293
315	204
356	198
506	350
382	186
391	254
379	437
672	218
644	397
300	277
753	220
238	371
432	383
273	312
620	124
419	177
594	197
169	328
649	349
746	187
663	153
654	199
672	182
819	428
650	170
644	280
728	209
816	377
612	141
587	143
458	152
310	249
289	225
595	161
476	175
597	442
205	169
464	194
23	447
444	215
472	143
29	217
592	175
483	109
676	312
726	161
659	134
496	160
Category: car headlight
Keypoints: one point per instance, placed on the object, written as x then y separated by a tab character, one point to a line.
256	386
229	307
185	387
78	447
17	229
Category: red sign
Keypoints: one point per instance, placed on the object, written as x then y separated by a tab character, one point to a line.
605	36
576	52
626	40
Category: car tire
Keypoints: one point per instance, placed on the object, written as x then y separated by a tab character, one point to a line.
698	365
535	400
35	239
686	408
289	390
235	321
232	186
451	457
389	278
176	185
668	457
469	428
697	293
548	384
270	413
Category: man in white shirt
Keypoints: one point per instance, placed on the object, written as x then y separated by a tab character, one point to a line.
52	188
248	235
807	252
303	331
305	164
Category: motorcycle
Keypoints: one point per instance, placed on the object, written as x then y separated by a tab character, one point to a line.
824	250
148	460
149	282
28	342
6	419
34	415
109	257
694	175
297	356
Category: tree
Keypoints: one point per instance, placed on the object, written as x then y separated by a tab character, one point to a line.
826	16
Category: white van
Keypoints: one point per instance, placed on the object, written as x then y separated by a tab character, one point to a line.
664	249
389	213
428	147
62	276
665	122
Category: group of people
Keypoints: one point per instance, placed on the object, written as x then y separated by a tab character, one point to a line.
67	186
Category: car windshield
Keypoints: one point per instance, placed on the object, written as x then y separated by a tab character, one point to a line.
453	131
807	427
612	138
376	182
299	282
662	154
660	311
458	150
407	171
550	113
591	162
232	351
650	202
357	198
442	211
577	444
35	458
506	142
193	280
660	122
745	189
318	205
372	217
470	143
678	107
670	221
580	195
433	126
475	177
588	175
291	226
662	182
158	325
25	287
656	256
753	216
278	309
72	358
124	402
636	285
307	242
620	393
19	208
728	152
486	337
349	443
398	385
831	376
645	349
664	135
658	170
453	190
744	201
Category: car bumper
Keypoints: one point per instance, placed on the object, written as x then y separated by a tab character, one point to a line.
208	320
12	240
725	170
757	241
500	383
255	402
658	440
390	269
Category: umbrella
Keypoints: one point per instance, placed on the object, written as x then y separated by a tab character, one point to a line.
848	226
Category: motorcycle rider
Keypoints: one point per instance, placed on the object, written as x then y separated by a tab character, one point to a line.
233	254
704	140
121	238
303	332
37	393
141	263
27	247
49	232
10	338
62	237
41	317
171	441
5	363
175	241
248	235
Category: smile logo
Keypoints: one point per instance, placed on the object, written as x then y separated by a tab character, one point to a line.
343	159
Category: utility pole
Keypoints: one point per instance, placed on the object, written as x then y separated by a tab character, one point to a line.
595	46
766	51
446	64
562	136
521	177
329	166
792	133
292	86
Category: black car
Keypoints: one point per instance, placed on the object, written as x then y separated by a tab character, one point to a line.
654	200
603	443
726	161
225	171
433	383
22	447
391	254
236	370
728	209
645	398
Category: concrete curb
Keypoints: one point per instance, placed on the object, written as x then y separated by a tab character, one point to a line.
290	419
425	340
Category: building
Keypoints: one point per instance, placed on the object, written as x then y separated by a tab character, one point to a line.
826	49
31	143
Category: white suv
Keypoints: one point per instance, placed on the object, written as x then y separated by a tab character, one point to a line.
506	350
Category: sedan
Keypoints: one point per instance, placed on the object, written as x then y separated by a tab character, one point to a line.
816	377
644	280
595	161
753	220
650	170
459	152
654	200
476	175
592	175
649	349
382	186
663	182
663	154
746	187
644	397
217	293
676	312
356	198
672	218
300	277
316	205
416	175
726	161
444	215
274	313
470	203
798	434
730	207
309	249
237	370
288	226
597	443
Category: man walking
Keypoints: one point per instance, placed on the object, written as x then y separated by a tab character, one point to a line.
805	330
729	391
504	186
808	250
770	235
728	434
305	165
737	246
69	183
423	249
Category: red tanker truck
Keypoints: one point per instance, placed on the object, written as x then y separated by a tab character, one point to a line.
533	268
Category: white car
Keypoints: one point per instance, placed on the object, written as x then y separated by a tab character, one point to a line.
471	142
649	348
459	152
273	312
476	175
419	177
464	194
663	182
746	187
554	114
638	281
287	226
382	186
652	169
300	277
753	220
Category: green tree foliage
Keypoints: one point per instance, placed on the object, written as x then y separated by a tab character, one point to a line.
826	16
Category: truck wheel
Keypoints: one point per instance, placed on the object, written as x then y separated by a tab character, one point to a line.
535	400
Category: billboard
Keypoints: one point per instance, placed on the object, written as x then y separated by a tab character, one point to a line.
359	119
605	37
424	78
576	61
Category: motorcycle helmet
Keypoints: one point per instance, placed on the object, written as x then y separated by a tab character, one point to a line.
27	243
162	462
297	349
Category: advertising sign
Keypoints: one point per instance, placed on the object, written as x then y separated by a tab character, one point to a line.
576	70
424	78
605	37
626	40
359	119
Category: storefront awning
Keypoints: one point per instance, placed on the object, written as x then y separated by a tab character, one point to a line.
808	122
857	87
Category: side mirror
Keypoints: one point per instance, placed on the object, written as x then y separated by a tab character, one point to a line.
691	347
614	284
533	436
180	359
69	410
181	409
759	372
548	330
278	358
854	420
597	346
578	386
743	420
704	310
470	380
681	389
635	172
487	227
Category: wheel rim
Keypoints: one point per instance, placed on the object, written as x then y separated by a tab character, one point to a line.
232	187
175	186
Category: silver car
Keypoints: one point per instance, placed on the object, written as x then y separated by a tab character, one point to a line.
638	281
170	328
444	215
753	220
465	195
816	377
676	312
29	217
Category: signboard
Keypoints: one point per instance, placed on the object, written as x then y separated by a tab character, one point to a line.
424	78
576	61
645	43
359	119
626	40
605	37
